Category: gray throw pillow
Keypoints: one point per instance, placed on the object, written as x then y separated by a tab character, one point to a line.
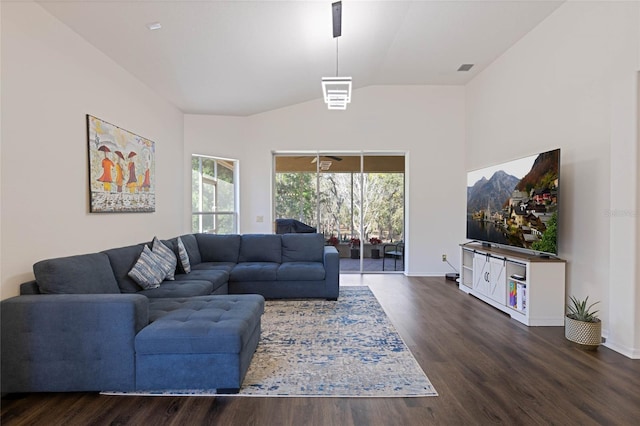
147	271
166	258
184	256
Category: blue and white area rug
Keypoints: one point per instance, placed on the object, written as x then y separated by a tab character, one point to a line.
319	348
324	348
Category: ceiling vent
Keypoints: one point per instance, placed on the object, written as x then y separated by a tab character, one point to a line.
465	67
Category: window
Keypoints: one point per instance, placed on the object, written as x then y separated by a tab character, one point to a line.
213	195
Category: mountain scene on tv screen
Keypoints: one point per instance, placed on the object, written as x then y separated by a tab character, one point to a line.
521	212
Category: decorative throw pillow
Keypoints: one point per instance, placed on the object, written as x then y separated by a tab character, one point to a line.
166	258
147	272
184	256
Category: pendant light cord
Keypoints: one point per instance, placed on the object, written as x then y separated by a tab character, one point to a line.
337	56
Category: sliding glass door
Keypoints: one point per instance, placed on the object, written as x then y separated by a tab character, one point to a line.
355	200
383	212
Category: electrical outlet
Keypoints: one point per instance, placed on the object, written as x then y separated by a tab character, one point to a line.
444	257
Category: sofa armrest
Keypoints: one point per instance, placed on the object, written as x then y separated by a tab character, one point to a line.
70	342
331	260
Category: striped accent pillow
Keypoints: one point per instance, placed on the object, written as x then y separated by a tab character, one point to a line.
184	256
147	272
166	258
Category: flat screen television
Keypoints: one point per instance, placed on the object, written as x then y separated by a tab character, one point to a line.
515	204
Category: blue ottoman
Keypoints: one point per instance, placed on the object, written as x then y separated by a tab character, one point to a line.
198	343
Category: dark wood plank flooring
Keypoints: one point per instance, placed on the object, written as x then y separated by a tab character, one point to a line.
487	368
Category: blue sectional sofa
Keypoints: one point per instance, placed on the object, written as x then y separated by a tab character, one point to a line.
85	325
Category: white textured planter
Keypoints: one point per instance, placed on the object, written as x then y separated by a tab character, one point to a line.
586	334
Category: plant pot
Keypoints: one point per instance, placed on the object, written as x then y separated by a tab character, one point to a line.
588	335
355	253
375	253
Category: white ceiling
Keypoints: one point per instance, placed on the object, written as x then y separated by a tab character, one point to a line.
246	57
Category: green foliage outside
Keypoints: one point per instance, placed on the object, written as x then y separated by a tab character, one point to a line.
295	196
340	203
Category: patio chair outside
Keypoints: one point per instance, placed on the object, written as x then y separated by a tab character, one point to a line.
396	251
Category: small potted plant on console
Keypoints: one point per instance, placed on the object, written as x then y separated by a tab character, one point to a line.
375	251
581	325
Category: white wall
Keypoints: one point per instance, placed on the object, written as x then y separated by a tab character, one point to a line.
570	83
427	122
52	78
637	210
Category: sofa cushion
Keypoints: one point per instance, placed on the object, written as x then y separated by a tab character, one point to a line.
215	266
185	264
219	248
302	247
261	248
82	274
169	289
166	258
216	277
122	260
301	271
254	271
147	271
208	324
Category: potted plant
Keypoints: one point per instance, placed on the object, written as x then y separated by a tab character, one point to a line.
355	248
375	251
581	325
333	241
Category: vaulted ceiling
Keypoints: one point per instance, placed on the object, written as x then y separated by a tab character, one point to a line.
246	57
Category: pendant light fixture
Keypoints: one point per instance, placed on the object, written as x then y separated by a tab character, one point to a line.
336	90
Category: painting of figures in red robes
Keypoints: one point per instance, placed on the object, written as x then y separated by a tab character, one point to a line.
121	169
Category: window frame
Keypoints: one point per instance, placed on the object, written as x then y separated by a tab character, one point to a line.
214	180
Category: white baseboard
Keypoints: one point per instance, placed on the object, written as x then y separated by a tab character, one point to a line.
633	353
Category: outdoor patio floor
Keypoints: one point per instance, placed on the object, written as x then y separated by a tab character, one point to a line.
370	265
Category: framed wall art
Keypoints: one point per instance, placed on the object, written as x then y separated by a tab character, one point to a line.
121	169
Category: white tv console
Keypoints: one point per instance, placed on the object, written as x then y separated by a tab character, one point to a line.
531	289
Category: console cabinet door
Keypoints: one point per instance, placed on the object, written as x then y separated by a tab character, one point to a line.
481	273
497	280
